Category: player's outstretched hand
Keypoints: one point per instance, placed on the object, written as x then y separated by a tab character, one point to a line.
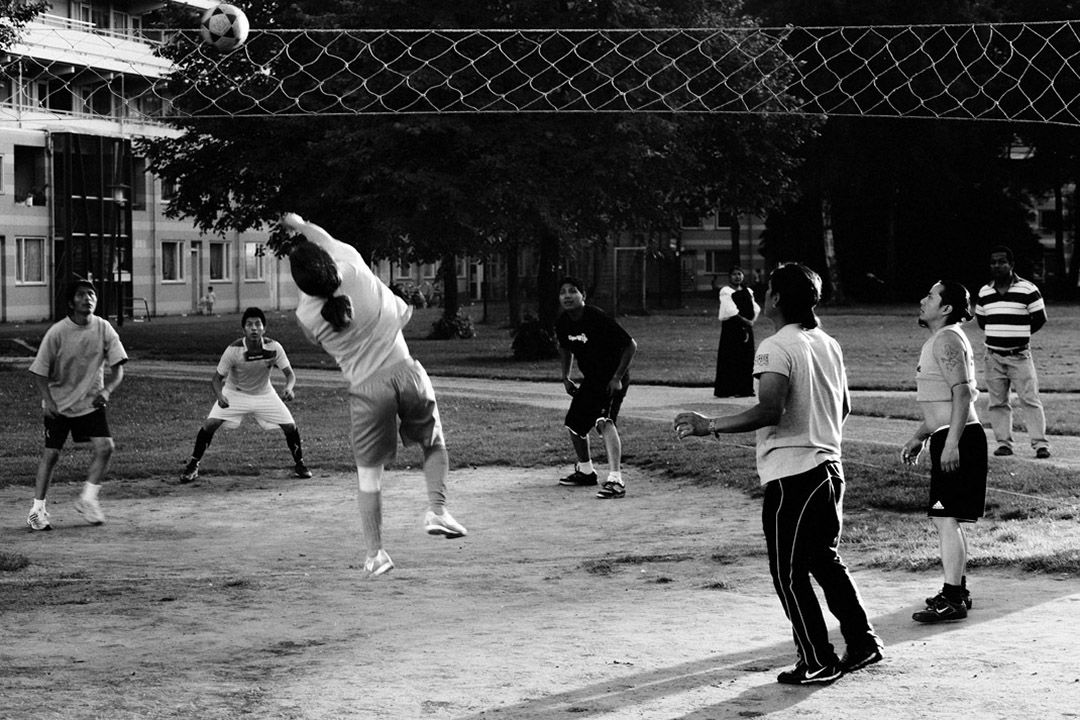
287	394
292	221
691	423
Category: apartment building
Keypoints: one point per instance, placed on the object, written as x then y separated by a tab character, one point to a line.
76	201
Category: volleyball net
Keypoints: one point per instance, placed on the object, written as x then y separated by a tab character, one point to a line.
1022	72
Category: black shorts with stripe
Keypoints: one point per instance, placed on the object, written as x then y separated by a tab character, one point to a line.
960	494
592	403
81	428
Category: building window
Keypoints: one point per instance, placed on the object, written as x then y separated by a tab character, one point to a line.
427	271
1048	220
219	261
402	271
97	99
172	261
254	261
29	261
460	268
692	220
30	185
168	190
717	262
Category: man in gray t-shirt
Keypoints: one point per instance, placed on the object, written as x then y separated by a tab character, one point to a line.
69	372
802	400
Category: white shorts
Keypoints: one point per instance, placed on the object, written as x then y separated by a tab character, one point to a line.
267	408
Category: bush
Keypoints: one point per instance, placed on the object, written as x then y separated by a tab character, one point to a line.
12	561
533	341
460	326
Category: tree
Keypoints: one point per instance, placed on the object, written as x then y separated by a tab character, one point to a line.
424	188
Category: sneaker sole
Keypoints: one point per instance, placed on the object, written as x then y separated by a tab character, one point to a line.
86	516
34	529
381	570
577	484
439	530
932	619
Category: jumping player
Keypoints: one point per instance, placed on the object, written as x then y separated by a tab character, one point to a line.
603	351
242	387
69	372
357	319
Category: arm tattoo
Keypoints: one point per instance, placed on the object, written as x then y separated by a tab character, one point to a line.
953	357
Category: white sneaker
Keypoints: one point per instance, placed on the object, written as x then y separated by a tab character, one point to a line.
38	520
444	525
90	510
375	566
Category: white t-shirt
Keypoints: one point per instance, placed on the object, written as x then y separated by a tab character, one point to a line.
73	358
249	371
373	340
810	430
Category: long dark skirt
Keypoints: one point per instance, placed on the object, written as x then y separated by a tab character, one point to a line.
734	360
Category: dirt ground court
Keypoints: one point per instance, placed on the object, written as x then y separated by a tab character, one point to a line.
244	598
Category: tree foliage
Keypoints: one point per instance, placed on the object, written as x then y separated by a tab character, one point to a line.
426	188
915	200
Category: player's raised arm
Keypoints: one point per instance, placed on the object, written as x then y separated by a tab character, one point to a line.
340	251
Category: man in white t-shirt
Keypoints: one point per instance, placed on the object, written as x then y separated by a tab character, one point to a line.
242	388
802	403
69	372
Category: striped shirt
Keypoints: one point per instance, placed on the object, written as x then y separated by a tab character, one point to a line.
1010	318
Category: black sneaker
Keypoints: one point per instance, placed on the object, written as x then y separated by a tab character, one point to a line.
858	659
191	472
1003	451
966	599
301	471
1042	453
611	491
578	479
941	611
802	674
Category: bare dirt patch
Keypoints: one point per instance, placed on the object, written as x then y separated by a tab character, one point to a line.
243	597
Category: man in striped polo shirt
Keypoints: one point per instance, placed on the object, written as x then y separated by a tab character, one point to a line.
1010	310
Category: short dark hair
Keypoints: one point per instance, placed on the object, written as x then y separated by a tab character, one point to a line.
733	268
957	296
75	285
1004	250
252	312
571	280
799	289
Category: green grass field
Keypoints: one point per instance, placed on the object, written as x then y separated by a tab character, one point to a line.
1033	519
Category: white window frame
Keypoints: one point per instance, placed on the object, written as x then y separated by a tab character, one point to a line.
254	261
180	260
402	271
21	262
226	264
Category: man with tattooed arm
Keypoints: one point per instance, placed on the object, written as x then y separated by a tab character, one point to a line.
945	382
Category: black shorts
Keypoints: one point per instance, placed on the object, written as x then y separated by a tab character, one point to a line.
591	404
82	428
961	494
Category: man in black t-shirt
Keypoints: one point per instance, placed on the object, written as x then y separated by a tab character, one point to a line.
603	351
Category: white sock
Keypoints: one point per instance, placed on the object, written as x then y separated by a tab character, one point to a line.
615	476
90	491
38	505
585	467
